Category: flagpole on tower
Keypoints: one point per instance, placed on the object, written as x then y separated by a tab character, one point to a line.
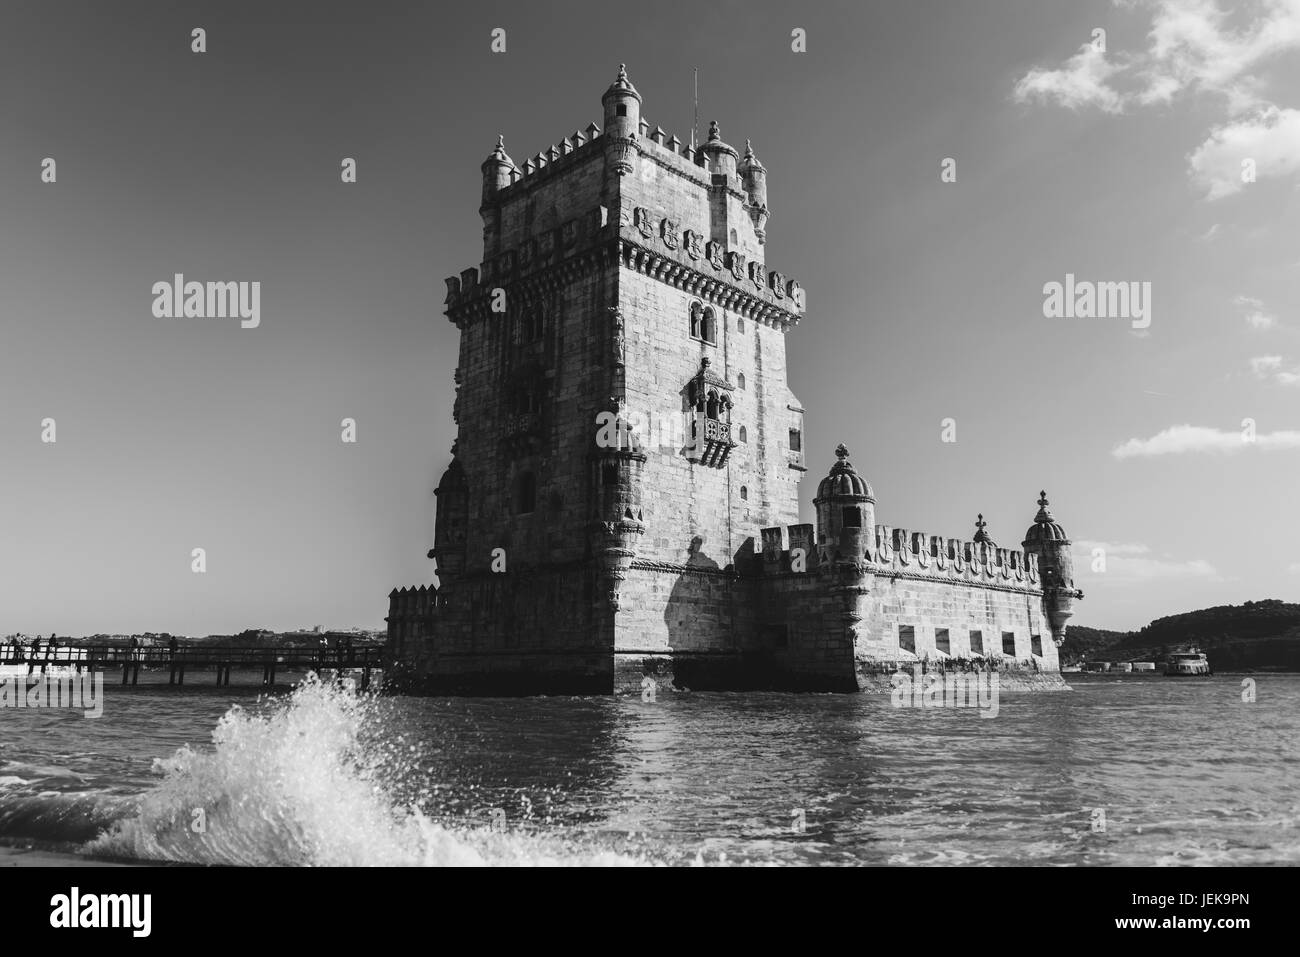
695	122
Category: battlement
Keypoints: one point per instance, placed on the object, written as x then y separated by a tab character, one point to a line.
898	551
406	602
549	162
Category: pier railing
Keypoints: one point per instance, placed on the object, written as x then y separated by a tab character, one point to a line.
222	658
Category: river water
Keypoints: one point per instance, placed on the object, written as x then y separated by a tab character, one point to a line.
1118	771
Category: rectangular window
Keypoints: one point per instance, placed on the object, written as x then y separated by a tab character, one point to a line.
907	638
941	640
1036	643
796	440
977	642
852	516
1009	643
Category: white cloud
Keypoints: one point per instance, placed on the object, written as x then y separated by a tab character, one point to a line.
1257	317
1270	138
1131	563
1080	82
1195	47
1191	47
1272	368
1194	438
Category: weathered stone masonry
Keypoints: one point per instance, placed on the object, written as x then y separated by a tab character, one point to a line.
624	292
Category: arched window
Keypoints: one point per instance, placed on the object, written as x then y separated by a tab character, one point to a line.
740	381
525	493
697	321
711	406
744	494
744	436
709	327
734	238
740	325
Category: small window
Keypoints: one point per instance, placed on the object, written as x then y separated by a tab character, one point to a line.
525	493
734	238
941	641
740	325
977	642
1036	644
744	436
907	638
740	381
744	494
796	440
852	516
697	321
1009	643
622	109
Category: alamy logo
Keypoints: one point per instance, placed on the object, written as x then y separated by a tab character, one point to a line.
102	910
212	300
959	689
1098	300
84	691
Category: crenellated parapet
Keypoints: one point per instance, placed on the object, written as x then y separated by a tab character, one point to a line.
901	552
412	602
898	552
543	263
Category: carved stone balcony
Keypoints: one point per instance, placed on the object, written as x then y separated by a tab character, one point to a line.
716	444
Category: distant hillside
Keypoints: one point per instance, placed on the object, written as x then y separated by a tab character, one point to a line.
1256	635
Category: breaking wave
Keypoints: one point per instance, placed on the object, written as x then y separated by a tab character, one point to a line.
306	783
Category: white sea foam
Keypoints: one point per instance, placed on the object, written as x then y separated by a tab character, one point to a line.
297	786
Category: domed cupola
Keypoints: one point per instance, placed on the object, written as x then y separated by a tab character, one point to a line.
622	105
622	86
846	508
1044	531
498	171
982	536
1047	544
753	177
843	480
722	158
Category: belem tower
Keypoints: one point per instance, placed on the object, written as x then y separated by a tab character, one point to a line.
622	499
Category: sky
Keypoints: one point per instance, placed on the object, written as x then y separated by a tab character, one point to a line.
1171	450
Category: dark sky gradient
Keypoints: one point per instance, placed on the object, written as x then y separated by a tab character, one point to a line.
925	299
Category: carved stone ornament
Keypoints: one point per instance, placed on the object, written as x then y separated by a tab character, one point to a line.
694	246
642	217
714	253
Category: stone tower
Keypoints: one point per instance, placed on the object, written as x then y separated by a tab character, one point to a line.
624	426
1047	544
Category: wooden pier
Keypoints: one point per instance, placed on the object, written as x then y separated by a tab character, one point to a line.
222	659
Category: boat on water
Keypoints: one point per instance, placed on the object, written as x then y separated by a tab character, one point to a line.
1187	664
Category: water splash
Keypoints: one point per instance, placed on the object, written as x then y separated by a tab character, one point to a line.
304	784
